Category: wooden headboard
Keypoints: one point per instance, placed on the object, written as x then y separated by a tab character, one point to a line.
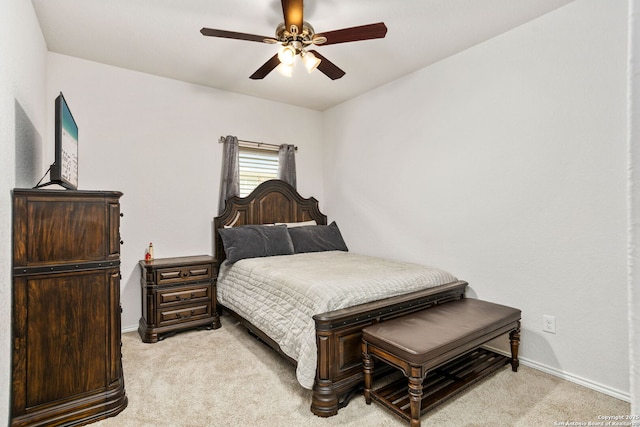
272	201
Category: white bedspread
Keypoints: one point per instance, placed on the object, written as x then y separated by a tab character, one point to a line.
280	294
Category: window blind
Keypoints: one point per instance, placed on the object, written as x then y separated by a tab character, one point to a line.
256	166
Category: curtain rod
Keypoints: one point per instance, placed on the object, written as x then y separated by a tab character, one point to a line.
256	144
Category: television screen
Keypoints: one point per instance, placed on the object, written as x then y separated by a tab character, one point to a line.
65	169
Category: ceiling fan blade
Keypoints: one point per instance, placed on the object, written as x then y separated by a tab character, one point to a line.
232	35
266	68
352	34
293	13
330	69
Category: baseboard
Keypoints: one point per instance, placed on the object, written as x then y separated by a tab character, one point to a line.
126	329
578	380
570	377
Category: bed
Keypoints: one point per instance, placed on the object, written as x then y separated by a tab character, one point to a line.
327	345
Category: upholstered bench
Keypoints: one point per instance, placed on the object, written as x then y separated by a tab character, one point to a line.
439	351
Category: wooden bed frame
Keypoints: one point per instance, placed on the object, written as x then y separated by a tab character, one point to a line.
338	333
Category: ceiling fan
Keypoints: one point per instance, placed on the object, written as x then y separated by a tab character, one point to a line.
295	35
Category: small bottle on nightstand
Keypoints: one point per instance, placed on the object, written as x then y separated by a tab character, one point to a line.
149	255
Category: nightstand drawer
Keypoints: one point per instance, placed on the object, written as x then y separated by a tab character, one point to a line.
183	314
189	273
180	295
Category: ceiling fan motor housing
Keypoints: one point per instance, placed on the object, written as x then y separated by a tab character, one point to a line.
306	37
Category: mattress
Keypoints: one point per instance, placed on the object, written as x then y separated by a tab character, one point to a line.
281	294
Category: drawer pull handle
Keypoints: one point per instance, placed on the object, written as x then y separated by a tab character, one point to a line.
186	316
185	274
193	295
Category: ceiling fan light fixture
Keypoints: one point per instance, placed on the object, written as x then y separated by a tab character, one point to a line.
285	70
311	61
287	55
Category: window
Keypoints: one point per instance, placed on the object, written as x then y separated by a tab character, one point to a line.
256	166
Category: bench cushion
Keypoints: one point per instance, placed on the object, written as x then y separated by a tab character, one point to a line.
425	335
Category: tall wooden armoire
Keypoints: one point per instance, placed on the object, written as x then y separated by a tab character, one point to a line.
66	355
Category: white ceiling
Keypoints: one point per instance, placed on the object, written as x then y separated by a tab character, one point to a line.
162	37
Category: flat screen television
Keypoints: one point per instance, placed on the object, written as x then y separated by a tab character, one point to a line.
64	171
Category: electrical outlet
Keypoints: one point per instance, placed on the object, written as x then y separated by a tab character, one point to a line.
549	324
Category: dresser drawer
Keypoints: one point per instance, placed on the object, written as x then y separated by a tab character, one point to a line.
183	294
182	274
183	314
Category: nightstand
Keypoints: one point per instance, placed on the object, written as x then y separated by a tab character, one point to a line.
177	294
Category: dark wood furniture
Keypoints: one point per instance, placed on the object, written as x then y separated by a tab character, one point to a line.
338	333
442	341
66	359
177	294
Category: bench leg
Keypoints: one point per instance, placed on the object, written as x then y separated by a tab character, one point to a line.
415	397
367	361
514	338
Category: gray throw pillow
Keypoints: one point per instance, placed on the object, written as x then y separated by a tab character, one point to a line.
252	241
317	238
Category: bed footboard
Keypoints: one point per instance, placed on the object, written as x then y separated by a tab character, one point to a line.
339	335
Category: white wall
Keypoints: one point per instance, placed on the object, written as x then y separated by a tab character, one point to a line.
156	140
22	85
634	202
506	165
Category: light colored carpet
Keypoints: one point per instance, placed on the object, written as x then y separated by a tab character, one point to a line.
225	377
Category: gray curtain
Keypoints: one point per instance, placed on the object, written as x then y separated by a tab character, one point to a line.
287	164
230	180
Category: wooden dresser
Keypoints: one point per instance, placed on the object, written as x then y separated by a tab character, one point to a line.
66	358
177	294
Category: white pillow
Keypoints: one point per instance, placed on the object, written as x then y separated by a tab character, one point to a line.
231	226
298	224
